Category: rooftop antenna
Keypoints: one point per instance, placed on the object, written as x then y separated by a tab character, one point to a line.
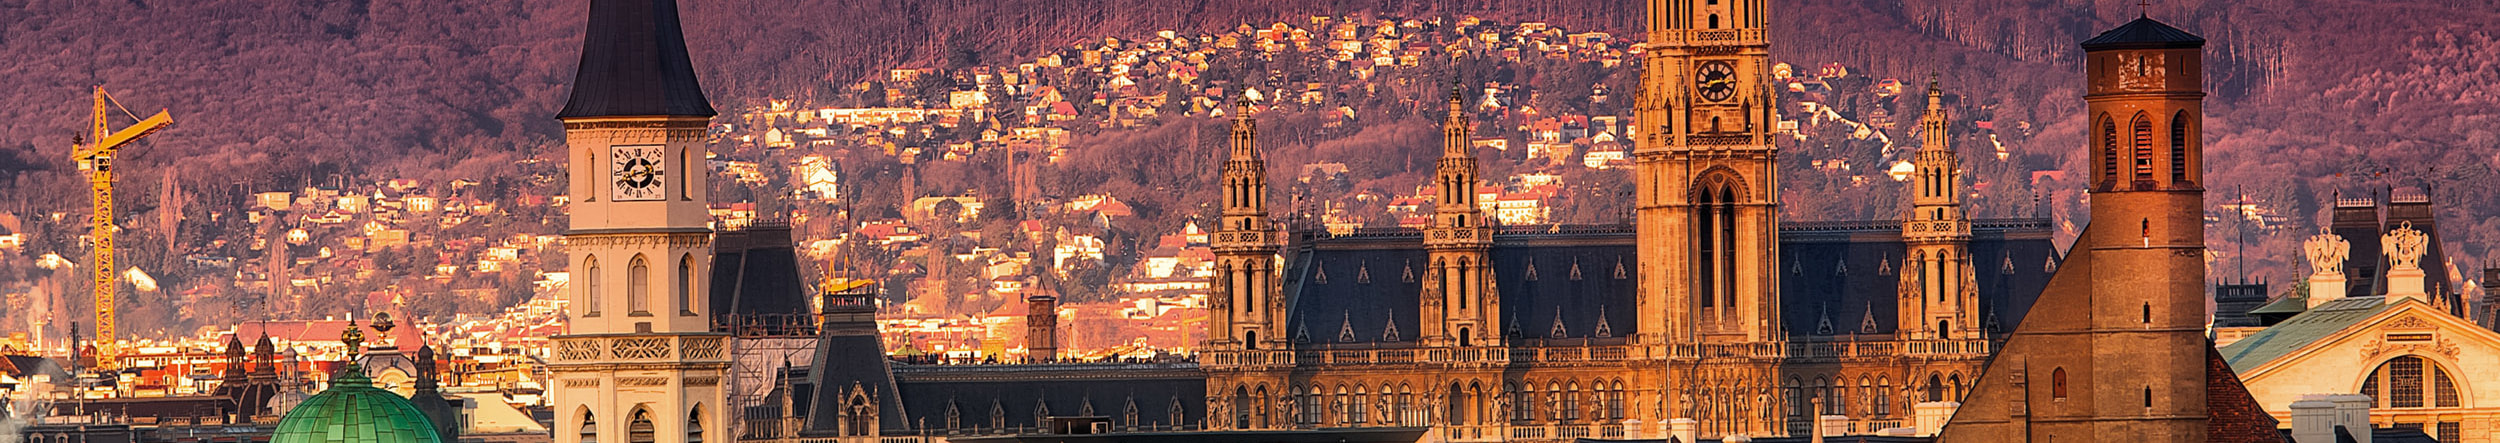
2243	233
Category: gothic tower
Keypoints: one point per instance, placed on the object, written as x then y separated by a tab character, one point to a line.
1707	175
640	362
1041	328
1248	313
1458	309
1938	294
2115	345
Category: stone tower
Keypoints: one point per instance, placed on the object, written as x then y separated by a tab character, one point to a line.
1939	293
1248	312
1458	308
1707	175
640	362
2116	346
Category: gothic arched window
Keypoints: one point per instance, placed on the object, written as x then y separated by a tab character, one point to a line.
2109	150
639	429
2179	148
685	285
590	427
638	287
2143	148
694	425
590	289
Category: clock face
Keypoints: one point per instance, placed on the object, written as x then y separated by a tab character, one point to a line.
638	172
1716	80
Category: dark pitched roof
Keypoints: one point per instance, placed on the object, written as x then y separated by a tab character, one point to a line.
634	63
2233	415
1357	285
1018	394
756	271
2144	33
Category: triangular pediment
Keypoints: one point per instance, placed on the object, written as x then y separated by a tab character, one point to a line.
2384	335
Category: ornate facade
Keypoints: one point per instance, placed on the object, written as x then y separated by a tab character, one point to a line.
1706	318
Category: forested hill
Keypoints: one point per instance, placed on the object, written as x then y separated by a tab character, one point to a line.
2311	96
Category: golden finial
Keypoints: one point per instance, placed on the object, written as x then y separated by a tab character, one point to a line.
354	337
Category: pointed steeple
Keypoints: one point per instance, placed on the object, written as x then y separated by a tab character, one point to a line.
1454	127
634	63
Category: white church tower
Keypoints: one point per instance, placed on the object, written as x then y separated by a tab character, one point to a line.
640	363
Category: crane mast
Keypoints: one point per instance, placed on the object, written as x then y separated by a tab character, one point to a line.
97	158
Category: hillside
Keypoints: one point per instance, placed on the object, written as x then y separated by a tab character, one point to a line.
278	95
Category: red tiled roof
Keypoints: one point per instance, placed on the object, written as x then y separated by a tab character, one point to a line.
2233	414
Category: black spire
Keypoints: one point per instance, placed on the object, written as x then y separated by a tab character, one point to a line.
634	64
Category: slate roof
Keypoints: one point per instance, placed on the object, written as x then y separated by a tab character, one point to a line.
846	357
1357	285
1019	392
2144	33
2300	330
756	271
634	63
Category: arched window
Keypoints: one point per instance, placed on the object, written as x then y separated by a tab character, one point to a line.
1715	222
1571	402
1714	21
1883	396
1522	400
1298	410
1458	405
1362	406
590	289
2411	382
2179	148
694	425
2057	384
1250	339
1614	401
639	428
1241	407
1935	387
2109	150
1345	406
1462	332
1957	386
1796	398
2143	148
859	417
638	287
590	427
1259	406
1405	405
685	285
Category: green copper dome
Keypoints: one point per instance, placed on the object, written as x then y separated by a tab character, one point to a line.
353	411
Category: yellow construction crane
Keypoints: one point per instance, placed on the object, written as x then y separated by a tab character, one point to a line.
97	159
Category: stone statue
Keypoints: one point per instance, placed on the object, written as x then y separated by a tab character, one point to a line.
2404	246
2326	252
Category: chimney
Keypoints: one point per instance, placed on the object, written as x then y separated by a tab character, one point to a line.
2316	417
1041	328
2352	412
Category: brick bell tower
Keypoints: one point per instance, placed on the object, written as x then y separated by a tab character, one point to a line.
1707	175
640	361
2116	345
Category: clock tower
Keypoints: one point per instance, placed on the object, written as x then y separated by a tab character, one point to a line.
640	361
1707	175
